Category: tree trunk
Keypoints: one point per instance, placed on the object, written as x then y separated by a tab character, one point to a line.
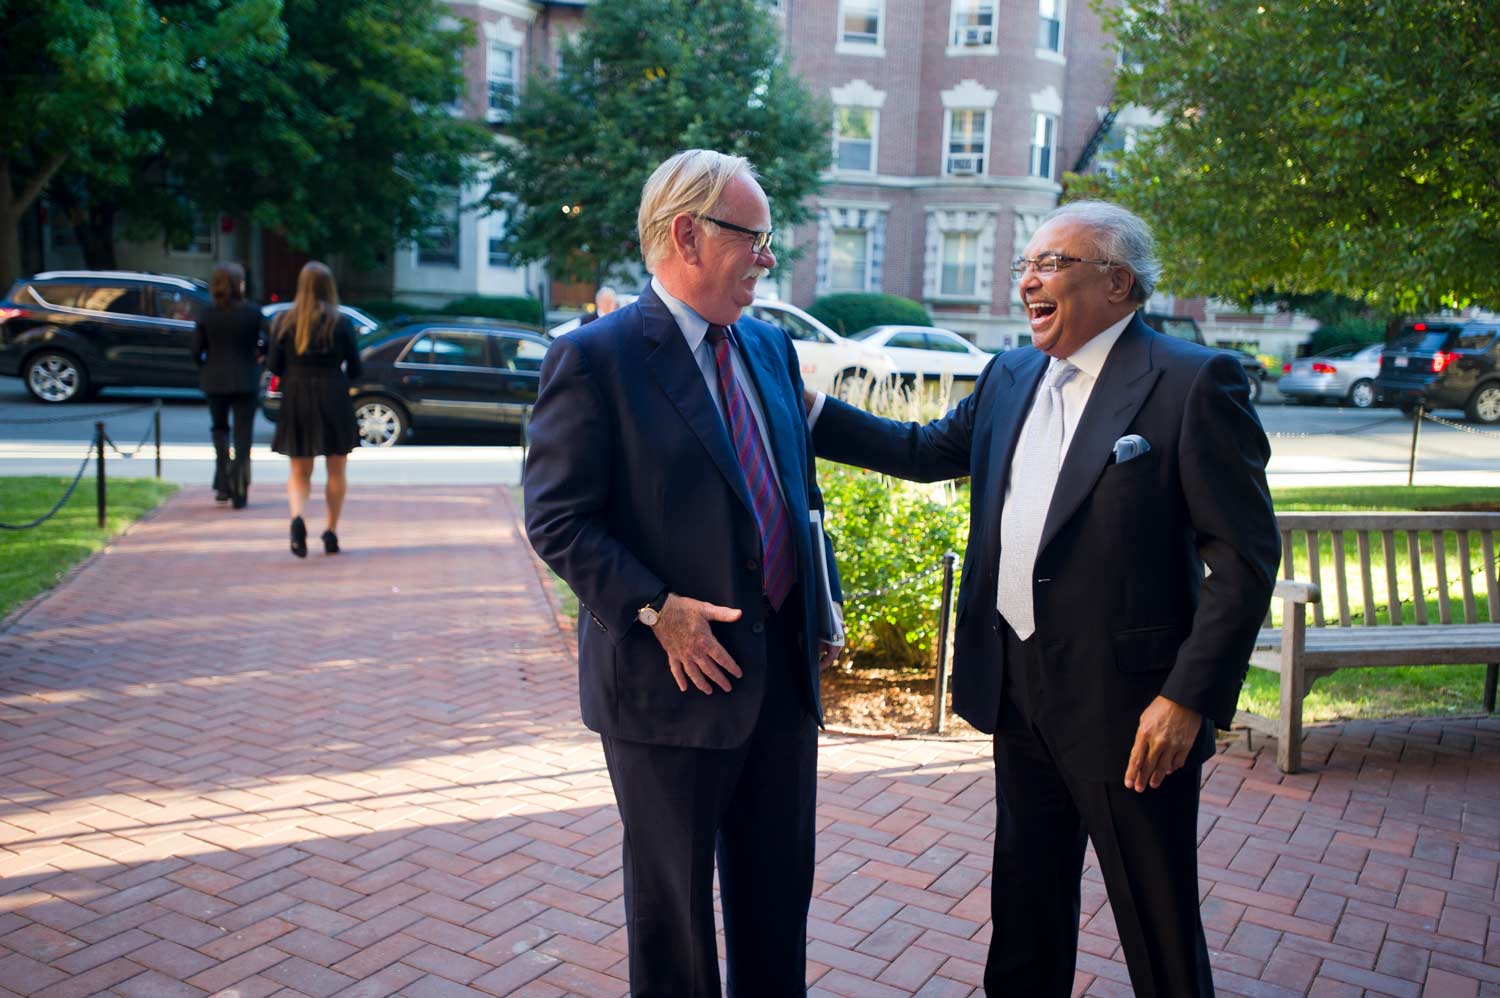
96	236
13	205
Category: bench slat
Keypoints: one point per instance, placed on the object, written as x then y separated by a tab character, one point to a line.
1440	559
1314	572
1414	520
1340	573
1363	540
1418	592
1489	574
1467	574
1393	593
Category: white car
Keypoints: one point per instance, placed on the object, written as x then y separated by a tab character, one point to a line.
927	351
830	362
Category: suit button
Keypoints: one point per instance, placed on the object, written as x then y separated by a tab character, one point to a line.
758	627
751	565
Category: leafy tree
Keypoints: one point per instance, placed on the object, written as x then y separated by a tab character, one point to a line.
340	143
645	79
75	71
1325	145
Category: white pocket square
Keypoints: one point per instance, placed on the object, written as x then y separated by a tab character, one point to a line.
1130	447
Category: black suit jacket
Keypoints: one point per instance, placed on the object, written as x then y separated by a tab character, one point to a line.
227	345
1124	611
632	486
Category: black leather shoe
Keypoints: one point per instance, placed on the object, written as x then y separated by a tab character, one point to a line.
299	537
238	500
222	495
330	542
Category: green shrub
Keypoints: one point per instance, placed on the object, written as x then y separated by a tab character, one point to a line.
885	531
513	307
1353	329
849	313
382	309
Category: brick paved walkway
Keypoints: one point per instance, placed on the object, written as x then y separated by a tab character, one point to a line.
224	771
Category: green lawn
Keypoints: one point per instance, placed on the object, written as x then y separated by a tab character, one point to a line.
33	560
1405	692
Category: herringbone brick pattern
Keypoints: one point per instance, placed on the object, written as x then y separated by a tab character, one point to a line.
224	771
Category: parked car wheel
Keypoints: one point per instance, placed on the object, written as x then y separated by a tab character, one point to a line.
56	376
1484	405
1362	394
382	423
1255	389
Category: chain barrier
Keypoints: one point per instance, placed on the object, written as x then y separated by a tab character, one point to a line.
894	586
84	416
72	486
1458	426
138	447
1360	428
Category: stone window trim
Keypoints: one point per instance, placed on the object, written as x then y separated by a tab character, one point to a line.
868	216
943	219
969	95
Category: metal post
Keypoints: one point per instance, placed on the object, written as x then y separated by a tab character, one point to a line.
156	416
99	473
940	697
1416	426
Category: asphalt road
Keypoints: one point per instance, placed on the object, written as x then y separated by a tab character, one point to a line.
1310	445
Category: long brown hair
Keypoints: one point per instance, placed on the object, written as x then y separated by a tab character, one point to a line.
226	284
315	310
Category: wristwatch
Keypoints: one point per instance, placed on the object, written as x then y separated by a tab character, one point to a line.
651	612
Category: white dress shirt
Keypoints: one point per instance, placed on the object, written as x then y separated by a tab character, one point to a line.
1089	359
695	331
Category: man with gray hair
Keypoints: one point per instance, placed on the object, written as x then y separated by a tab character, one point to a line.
669	482
1122	552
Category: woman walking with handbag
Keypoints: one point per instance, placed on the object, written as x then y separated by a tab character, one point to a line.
315	352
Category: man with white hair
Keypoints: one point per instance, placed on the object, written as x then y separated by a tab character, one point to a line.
669	482
1122	551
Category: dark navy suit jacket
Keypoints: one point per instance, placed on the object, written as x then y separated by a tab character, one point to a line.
632	486
1124	611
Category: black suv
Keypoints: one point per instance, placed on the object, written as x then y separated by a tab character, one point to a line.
1185	327
439	371
1444	365
67	333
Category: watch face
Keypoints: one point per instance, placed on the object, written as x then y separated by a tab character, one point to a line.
647	616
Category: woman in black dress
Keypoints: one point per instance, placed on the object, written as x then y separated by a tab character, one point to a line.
227	347
314	351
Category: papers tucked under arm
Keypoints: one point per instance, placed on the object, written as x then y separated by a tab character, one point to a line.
830	621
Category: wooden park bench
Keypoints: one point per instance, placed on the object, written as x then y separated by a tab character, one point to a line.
1396	552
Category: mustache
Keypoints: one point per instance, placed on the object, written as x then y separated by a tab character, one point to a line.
756	273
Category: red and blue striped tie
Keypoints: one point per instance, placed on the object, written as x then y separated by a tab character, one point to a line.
778	562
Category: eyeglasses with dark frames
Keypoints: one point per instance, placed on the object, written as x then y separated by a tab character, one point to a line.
1051	263
760	240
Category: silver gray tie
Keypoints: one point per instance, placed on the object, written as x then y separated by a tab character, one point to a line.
1036	462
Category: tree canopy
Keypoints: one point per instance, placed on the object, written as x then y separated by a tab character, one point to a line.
1347	146
76	71
645	79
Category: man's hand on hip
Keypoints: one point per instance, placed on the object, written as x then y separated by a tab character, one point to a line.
1163	740
693	652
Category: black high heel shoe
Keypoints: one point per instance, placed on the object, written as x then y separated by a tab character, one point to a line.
330	542
299	537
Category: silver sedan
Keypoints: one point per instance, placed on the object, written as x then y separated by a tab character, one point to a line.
1343	374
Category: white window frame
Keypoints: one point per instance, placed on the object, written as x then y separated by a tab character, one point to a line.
1038	118
945	219
495	229
874	140
1058	54
982	156
966	39
973	236
458	239
497	47
864	284
876	48
204	227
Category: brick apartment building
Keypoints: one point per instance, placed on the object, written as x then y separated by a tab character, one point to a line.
954	122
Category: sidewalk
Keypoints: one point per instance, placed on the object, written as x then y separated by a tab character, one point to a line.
226	771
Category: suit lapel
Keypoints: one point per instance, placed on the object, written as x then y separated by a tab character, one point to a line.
671	363
1126	380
